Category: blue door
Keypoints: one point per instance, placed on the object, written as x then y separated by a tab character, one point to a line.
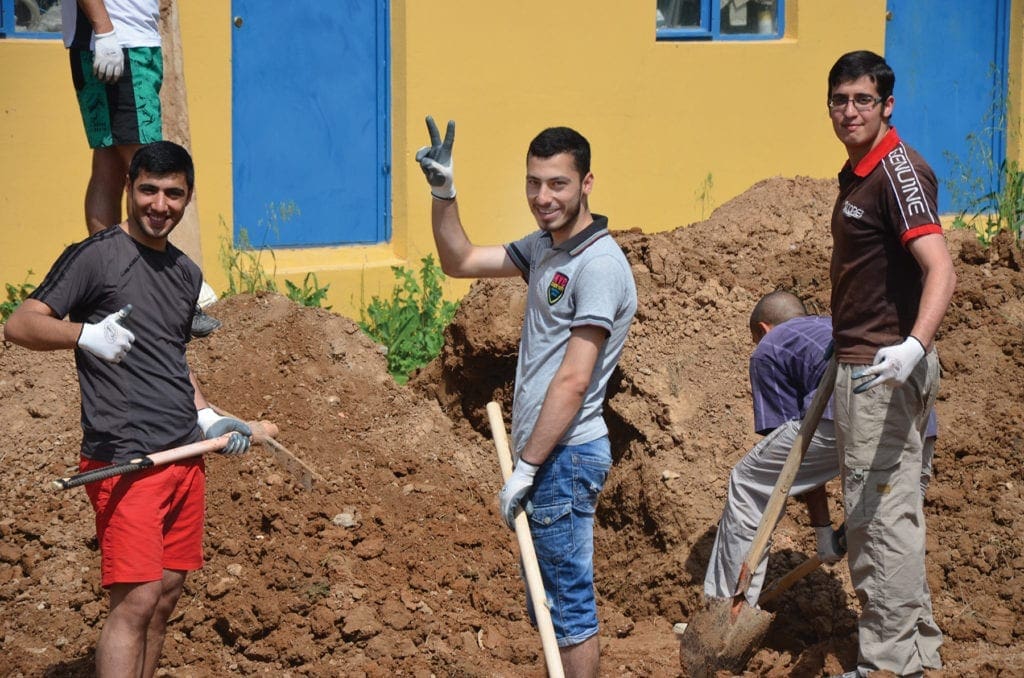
310	122
950	59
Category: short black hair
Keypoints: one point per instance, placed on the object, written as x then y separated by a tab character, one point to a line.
555	140
776	308
162	158
855	65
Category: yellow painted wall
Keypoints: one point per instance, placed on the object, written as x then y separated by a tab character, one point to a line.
677	128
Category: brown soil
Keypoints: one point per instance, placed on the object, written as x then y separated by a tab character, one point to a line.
396	563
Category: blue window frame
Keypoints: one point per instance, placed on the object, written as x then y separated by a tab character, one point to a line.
30	18
720	19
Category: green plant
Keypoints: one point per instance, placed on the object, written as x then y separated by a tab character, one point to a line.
243	266
410	324
989	198
15	295
703	195
310	294
998	210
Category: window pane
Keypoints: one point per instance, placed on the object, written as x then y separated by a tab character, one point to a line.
678	14
37	16
749	16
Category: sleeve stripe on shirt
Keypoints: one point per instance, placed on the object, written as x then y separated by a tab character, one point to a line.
917	232
906	186
519	260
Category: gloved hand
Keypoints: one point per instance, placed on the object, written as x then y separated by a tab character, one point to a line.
516	487
436	161
108	339
892	364
830	546
107	57
214	425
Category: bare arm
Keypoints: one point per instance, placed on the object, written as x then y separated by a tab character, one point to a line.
200	399
35	326
932	255
459	257
565	393
96	12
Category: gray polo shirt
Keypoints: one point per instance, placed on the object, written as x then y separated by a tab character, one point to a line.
584	281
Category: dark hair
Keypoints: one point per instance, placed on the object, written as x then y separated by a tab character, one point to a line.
855	65
555	140
775	308
162	158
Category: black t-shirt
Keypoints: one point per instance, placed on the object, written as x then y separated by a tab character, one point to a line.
146	402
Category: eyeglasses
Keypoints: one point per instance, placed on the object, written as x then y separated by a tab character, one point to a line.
862	102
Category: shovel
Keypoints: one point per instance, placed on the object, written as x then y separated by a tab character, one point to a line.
725	634
534	583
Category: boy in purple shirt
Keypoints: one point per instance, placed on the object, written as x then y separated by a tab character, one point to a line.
785	369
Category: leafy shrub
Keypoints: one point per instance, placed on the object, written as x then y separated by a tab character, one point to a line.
410	324
310	294
15	295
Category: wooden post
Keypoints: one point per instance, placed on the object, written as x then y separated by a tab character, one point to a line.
174	110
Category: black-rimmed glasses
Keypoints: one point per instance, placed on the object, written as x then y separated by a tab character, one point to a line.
862	102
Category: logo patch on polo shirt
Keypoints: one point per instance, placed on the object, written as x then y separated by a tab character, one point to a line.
851	210
556	288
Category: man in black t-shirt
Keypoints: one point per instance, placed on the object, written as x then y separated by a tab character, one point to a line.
129	296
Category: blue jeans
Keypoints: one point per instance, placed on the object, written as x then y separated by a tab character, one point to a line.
564	498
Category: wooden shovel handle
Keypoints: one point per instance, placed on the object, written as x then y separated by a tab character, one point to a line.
147	461
534	582
777	502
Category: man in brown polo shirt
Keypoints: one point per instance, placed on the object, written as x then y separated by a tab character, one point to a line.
892	280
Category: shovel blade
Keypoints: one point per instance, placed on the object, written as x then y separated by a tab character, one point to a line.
715	641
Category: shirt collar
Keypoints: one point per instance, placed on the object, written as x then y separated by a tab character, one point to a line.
890	141
597	229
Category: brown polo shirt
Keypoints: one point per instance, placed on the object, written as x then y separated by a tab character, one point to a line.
889	199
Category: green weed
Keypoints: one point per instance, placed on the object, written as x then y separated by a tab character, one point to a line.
999	210
703	196
15	295
994	201
243	266
310	294
411	323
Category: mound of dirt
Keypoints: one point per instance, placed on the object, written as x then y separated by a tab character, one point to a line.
395	561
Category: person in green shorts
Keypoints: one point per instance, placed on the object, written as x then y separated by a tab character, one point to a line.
117	69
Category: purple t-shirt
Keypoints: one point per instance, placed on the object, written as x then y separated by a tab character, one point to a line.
785	369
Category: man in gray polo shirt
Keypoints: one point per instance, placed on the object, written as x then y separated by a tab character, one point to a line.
580	303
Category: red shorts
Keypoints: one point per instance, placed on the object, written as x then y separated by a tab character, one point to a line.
149	521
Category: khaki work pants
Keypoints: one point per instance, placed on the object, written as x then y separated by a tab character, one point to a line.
880	436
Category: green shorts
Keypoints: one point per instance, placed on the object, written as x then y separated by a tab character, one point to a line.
126	112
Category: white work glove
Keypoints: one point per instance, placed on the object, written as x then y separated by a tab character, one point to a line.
436	161
892	364
107	57
516	487
108	339
830	546
214	426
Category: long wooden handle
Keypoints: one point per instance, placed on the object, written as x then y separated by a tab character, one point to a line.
783	583
147	461
534	583
777	502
